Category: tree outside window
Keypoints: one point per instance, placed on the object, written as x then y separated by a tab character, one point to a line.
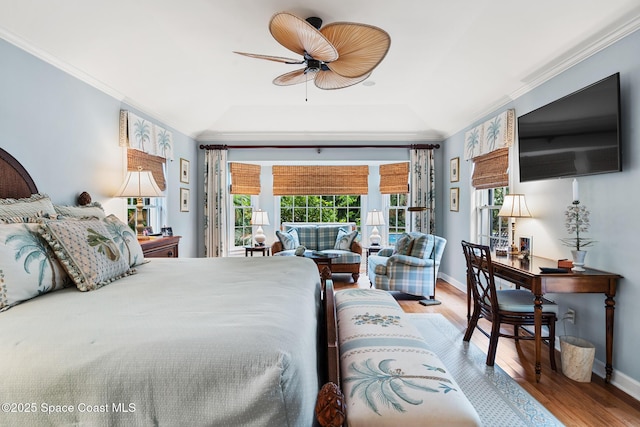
493	230
151	212
242	230
339	208
397	216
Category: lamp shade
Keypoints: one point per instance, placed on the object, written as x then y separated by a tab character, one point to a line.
514	206
375	218
259	218
139	184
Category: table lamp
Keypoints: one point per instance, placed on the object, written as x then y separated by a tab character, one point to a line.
259	218
139	184
375	218
514	206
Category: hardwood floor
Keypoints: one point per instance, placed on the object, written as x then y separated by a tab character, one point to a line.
573	403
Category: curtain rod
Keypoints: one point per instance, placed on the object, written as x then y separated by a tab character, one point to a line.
315	147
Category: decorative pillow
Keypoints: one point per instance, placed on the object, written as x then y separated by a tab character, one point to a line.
126	240
403	245
289	239
345	239
28	266
86	250
422	245
37	204
91	210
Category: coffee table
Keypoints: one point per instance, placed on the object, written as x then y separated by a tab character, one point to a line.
319	258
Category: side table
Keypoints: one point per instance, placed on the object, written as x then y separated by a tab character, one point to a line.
371	250
251	249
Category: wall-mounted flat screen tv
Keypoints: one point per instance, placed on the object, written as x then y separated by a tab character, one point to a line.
573	136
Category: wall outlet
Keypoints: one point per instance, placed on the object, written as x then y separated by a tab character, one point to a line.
570	315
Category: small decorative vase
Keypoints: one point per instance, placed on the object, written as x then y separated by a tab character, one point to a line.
300	250
578	260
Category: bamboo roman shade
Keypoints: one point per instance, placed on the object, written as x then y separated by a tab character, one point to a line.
320	180
148	162
394	178
491	170
245	178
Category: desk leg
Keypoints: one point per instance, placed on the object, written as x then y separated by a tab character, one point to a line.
537	312
610	307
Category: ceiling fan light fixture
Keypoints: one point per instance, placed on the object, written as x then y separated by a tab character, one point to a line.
336	56
315	22
313	65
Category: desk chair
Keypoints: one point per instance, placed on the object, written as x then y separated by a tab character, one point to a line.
511	307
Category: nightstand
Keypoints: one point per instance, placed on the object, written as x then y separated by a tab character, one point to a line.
160	247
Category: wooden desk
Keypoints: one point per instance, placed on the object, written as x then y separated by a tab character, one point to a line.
527	274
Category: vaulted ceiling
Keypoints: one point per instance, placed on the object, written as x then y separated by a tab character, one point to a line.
450	62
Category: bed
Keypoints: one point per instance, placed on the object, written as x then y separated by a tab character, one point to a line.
183	341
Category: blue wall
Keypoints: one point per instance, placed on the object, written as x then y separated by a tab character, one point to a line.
611	199
65	133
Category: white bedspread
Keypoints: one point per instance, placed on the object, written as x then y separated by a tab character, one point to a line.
185	341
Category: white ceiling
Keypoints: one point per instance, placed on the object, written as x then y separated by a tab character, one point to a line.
450	62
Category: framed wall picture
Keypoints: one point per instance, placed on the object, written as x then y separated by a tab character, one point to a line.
184	171
184	200
454	169
454	199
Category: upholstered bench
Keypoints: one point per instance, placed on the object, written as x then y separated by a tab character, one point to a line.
389	375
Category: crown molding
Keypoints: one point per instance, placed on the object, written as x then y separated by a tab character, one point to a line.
226	137
597	43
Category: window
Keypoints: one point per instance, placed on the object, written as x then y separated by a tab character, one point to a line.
492	230
320	209
152	212
397	216
242	231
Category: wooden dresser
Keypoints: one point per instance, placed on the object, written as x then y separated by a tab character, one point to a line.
161	247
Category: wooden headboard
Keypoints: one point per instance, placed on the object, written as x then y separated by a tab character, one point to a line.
15	181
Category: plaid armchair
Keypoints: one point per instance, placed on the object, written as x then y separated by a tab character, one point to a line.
410	267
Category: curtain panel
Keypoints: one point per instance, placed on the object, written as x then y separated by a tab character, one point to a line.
145	136
422	194
215	203
394	178
320	180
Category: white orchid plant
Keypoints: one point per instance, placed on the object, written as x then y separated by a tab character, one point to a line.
576	222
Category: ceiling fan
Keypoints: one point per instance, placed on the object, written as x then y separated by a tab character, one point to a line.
335	56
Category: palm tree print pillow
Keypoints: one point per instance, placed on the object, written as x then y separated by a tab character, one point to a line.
86	251
126	240
28	266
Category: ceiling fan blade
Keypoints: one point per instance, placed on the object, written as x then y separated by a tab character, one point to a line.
294	77
329	80
299	36
271	58
361	47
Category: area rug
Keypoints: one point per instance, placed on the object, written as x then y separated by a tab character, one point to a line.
498	399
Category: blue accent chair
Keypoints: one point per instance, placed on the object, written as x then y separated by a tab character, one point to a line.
410	267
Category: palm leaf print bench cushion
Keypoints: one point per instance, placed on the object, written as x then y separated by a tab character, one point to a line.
389	375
